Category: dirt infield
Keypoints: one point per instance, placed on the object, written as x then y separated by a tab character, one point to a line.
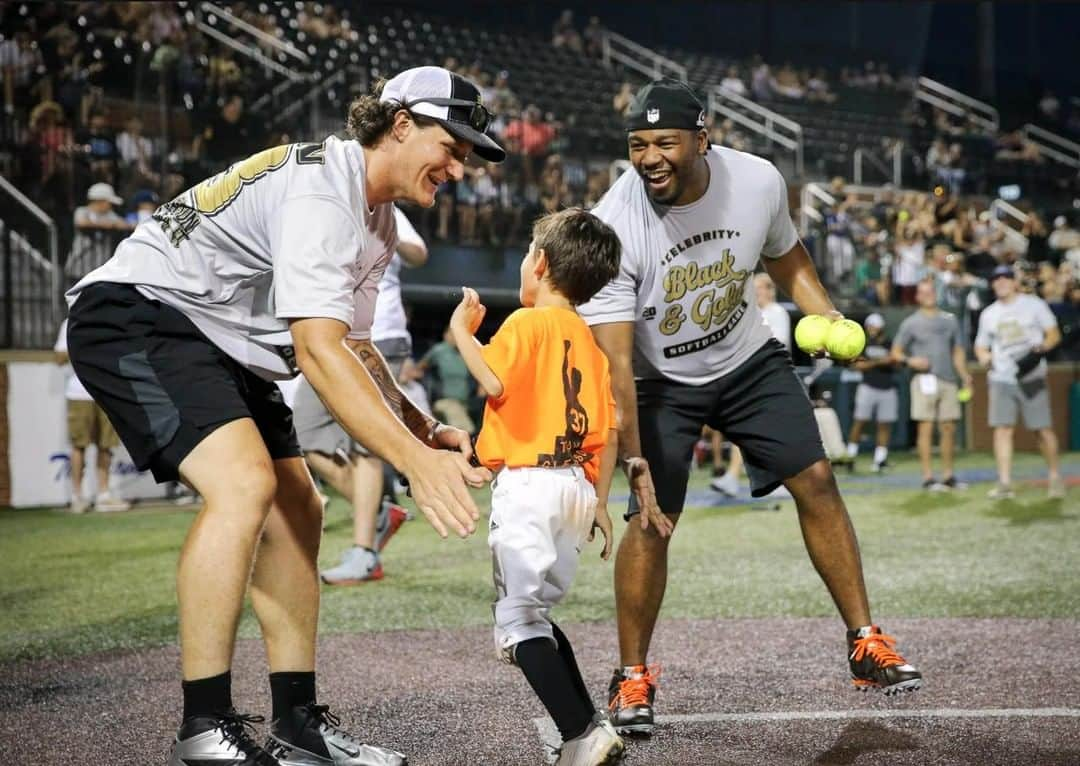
998	691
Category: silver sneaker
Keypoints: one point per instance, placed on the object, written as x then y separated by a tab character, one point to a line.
223	740
358	565
1001	492
321	733
1055	488
600	745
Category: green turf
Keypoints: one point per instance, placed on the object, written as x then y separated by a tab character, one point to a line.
76	584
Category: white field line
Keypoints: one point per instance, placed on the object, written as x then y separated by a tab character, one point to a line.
549	735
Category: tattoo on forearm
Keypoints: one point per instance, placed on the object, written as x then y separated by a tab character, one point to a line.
415	420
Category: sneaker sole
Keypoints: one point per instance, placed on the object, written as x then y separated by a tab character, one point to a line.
636	729
357	581
911	685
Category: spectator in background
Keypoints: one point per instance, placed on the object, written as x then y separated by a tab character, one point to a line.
563	33
453	384
227	137
930	344
530	138
594	37
466	202
838	244
761	81
959	292
342	461
98	144
94	222
136	150
50	143
733	83
909	261
876	397
87	424
621	101
21	66
1064	242
143	203
1016	332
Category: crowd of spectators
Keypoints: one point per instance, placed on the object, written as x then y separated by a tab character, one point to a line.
879	248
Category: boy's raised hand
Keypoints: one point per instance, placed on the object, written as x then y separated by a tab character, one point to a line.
469	313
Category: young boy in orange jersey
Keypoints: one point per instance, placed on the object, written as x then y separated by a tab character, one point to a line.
549	432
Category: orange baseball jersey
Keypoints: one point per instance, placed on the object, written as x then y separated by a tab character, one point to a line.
556	407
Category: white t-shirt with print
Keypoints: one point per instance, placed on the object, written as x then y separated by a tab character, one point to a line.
390	322
686	277
1010	330
285	234
779	322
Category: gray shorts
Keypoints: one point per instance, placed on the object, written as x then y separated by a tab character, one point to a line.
880	404
315	426
1031	399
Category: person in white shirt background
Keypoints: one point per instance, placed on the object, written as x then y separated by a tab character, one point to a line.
1015	333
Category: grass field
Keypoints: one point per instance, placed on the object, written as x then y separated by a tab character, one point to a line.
71	585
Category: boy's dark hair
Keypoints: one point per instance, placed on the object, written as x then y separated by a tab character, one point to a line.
370	119
582	252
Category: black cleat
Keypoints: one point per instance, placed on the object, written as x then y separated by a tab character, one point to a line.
631	695
875	664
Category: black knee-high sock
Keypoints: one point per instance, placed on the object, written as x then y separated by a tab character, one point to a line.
388	477
553	683
567	654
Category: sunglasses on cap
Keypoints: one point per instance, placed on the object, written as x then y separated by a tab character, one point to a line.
478	117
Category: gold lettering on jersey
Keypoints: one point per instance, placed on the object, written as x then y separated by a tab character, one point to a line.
214	194
673	319
713	307
681	279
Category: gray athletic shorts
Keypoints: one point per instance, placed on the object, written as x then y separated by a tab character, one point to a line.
315	426
879	404
1031	399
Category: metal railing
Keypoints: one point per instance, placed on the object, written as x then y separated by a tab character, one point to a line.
807	211
30	278
1052	145
226	15
895	155
957	103
1000	212
622	50
310	98
250	51
775	127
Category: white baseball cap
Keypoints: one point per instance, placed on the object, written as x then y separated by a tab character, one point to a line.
102	192
448	99
875	320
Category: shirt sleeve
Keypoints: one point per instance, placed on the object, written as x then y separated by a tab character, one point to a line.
315	246
903	336
406	232
510	350
781	236
957	333
617	300
1044	316
985	336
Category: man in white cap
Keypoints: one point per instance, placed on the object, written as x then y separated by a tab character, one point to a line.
876	398
268	269
94	222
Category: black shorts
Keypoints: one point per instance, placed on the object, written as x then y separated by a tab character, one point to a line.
761	406
163	384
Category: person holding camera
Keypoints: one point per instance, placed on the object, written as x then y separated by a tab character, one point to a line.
1015	333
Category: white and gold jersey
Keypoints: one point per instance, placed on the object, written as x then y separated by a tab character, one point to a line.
686	277
285	234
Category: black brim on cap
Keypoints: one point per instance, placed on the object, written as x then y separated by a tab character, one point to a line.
483	145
